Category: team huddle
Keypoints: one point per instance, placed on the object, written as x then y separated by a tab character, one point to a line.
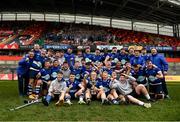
116	77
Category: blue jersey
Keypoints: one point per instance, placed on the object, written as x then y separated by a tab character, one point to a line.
70	58
36	64
43	59
137	60
23	66
151	75
86	71
88	55
113	55
54	71
45	74
140	76
104	56
98	58
123	57
77	72
37	53
83	68
105	84
145	57
130	57
159	61
75	86
109	71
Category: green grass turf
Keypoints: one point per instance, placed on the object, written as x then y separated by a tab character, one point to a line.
161	110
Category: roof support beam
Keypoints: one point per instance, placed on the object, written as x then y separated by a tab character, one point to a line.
162	18
123	4
155	8
149	10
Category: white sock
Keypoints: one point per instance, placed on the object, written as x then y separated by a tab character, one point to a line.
80	98
140	103
68	100
103	99
147	96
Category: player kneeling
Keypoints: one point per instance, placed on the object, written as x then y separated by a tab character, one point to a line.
43	81
74	90
155	77
57	89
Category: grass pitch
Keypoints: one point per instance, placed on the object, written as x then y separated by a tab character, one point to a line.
162	110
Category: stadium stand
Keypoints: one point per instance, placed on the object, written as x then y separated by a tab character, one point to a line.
21	33
5	34
79	34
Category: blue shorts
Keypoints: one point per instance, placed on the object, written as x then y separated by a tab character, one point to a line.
89	85
33	74
56	96
44	86
134	94
72	94
107	93
156	89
